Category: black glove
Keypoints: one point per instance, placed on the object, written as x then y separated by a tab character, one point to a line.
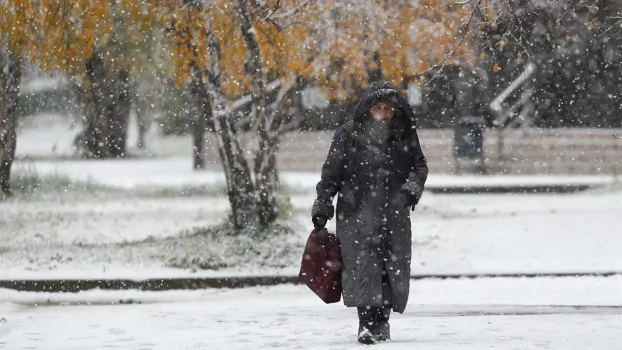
405	200
410	195
321	212
319	222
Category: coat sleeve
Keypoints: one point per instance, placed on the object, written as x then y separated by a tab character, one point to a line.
418	174
332	176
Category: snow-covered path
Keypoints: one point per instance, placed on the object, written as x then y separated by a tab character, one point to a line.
450	314
172	326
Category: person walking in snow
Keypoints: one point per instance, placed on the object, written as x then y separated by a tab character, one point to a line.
376	166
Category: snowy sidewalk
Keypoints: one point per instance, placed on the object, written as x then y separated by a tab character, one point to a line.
456	314
177	171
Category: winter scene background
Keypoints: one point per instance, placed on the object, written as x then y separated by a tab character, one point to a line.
158	164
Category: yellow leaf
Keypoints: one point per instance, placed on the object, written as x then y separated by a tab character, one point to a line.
502	44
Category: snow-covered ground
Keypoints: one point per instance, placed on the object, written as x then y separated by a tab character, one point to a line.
138	218
142	218
51	136
167	161
177	171
567	313
137	236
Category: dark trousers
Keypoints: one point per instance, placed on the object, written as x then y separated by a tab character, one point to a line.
372	315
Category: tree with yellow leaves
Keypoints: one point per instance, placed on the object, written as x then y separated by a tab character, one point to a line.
91	41
98	44
219	54
269	51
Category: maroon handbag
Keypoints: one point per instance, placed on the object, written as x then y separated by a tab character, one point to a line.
320	269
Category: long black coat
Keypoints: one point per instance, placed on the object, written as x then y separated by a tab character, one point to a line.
373	224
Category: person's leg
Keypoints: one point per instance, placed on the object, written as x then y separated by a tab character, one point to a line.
367	324
382	331
387	292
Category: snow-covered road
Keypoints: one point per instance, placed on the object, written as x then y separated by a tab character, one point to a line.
449	314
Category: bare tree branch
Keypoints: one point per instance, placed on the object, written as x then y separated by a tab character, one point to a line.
464	29
274	7
520	43
610	28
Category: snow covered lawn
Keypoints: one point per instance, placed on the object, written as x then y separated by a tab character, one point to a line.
449	314
177	171
519	233
131	234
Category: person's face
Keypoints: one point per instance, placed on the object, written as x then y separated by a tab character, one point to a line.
381	111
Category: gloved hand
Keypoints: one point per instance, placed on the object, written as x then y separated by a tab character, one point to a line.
319	222
410	194
405	200
321	212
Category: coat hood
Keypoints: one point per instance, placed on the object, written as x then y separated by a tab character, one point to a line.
387	93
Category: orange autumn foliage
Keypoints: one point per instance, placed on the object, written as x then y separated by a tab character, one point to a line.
63	34
330	43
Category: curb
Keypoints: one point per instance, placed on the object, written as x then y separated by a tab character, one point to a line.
77	285
502	189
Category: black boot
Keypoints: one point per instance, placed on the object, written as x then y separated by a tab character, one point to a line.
367	324
382	330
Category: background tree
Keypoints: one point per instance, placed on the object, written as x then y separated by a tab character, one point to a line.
17	44
574	46
209	49
99	44
10	77
93	42
358	42
268	52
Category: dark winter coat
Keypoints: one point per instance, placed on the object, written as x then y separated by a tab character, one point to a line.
377	173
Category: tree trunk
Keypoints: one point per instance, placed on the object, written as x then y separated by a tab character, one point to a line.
237	172
106	100
10	78
375	75
92	141
120	116
142	130
265	172
142	95
198	140
240	187
265	179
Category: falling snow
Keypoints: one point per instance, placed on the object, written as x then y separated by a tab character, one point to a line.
185	139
